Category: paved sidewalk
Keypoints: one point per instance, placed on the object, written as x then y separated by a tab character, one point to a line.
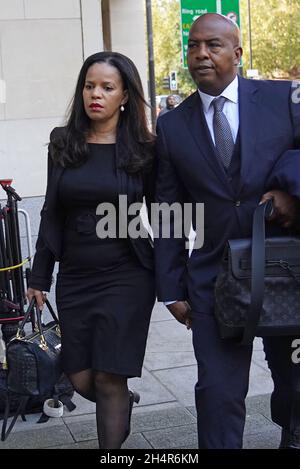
165	417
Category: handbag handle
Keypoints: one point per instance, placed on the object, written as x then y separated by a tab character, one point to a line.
25	318
257	270
32	304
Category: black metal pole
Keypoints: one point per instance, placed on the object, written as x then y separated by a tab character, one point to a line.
17	257
250	34
9	252
4	276
151	63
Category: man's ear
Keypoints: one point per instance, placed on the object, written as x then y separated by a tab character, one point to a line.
238	52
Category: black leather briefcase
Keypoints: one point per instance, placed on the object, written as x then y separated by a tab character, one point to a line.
257	291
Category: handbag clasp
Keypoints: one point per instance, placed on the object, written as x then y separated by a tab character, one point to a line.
43	343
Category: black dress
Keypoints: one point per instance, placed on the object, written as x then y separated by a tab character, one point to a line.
104	295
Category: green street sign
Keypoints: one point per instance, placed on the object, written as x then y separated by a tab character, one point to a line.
192	9
231	8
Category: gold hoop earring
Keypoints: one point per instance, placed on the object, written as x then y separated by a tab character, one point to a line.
122	108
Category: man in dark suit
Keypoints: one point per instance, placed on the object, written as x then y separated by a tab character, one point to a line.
230	145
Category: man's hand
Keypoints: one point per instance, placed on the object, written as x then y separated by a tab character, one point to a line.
182	312
285	207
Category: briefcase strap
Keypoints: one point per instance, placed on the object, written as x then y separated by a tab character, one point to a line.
257	271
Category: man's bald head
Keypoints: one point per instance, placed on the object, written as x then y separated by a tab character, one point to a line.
230	27
214	52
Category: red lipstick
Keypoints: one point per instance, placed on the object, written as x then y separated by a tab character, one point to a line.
95	106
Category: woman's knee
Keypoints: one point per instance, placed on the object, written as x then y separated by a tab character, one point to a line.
82	382
108	383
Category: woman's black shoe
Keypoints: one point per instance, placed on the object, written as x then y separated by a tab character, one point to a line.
133	397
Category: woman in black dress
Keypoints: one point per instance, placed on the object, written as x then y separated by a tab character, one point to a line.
105	285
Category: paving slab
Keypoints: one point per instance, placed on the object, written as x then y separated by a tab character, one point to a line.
258	357
258	423
169	336
266	440
31	423
174	417
180	382
162	360
257	344
259	404
175	437
137	441
83	406
42	438
82	428
161	313
192	410
260	381
90	444
137	409
151	389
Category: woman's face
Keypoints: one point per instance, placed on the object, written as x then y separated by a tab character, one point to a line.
103	92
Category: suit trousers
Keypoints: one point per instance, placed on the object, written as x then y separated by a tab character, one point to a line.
223	379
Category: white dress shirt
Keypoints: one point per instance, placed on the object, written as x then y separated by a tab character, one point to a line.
231	108
231	111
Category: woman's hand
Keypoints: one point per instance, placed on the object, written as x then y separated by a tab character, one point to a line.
39	296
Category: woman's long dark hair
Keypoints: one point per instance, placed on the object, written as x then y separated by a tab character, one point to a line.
69	148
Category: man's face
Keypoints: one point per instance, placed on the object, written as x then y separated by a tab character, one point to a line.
213	54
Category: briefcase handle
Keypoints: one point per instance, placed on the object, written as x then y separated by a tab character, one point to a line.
258	255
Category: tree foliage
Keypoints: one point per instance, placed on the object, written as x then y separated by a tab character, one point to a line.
275	40
275	36
167	45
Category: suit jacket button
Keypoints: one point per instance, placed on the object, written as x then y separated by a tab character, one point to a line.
237	203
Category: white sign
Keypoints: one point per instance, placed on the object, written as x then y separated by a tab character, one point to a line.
173	81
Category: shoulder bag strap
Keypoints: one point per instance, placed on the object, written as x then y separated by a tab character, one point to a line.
257	271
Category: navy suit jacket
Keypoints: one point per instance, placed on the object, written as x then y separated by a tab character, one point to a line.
49	243
188	171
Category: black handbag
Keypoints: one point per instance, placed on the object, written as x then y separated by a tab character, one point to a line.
34	367
33	360
257	290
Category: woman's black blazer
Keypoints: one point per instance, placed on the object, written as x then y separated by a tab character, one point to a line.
49	242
